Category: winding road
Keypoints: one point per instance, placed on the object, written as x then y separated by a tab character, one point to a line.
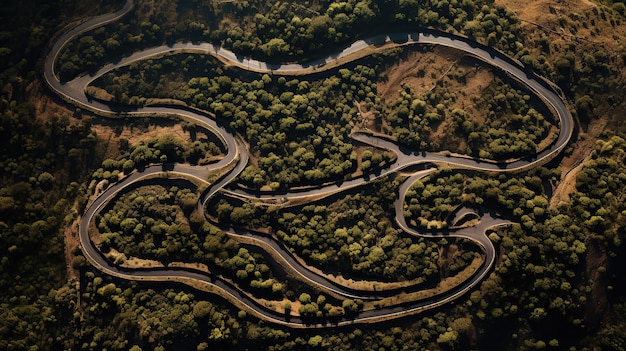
236	158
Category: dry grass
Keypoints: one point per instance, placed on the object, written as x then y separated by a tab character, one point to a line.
566	187
477	78
447	254
112	132
418	70
132	262
422	71
72	242
572	164
45	106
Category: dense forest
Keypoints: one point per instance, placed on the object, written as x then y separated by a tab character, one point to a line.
557	283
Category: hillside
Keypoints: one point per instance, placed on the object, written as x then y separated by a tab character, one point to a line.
556	283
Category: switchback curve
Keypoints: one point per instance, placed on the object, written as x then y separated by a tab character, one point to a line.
236	158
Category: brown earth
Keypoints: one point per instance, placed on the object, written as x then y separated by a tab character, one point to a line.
419	70
368	118
573	163
46	106
447	253
424	71
113	131
477	78
72	243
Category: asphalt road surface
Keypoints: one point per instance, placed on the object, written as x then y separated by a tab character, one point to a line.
236	159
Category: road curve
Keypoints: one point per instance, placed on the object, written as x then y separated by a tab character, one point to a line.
237	157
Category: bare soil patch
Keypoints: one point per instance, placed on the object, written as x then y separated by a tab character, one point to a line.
570	167
46	106
572	164
112	134
446	257
72	242
418	70
476	79
450	72
368	118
